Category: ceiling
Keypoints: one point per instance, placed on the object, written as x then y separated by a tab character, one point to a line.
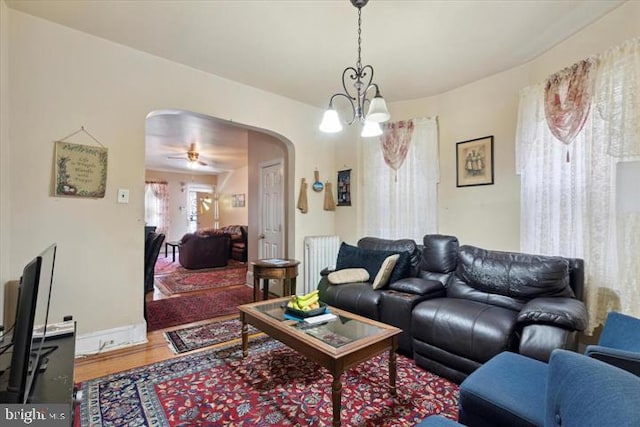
298	48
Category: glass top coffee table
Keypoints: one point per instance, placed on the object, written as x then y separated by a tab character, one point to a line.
335	345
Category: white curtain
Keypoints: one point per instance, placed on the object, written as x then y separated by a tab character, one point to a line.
568	208
156	209
401	204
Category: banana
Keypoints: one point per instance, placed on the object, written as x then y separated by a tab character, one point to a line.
308	296
306	303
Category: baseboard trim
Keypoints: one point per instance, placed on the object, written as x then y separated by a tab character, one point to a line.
111	339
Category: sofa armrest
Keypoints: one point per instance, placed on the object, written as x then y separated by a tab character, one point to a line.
568	313
624	359
418	286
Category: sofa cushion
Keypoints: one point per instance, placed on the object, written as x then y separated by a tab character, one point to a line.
371	260
353	257
382	278
464	327
396	246
348	275
205	232
359	298
516	275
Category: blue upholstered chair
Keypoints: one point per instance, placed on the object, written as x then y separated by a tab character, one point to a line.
573	390
619	343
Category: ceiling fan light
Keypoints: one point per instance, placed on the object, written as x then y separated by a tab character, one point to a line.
330	122
371	129
192	165
378	111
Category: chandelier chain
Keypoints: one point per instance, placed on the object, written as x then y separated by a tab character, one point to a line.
359	62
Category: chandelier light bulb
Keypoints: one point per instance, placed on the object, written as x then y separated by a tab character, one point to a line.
378	111
371	129
330	122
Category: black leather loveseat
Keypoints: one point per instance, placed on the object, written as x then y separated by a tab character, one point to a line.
462	304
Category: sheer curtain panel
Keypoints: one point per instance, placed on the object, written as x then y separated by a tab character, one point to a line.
568	208
156	209
399	181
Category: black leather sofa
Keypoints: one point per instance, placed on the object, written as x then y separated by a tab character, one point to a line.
461	305
393	304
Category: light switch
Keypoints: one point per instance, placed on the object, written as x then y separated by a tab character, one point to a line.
123	195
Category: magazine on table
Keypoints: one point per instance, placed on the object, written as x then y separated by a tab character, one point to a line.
275	261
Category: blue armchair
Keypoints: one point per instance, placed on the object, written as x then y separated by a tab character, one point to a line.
573	390
619	343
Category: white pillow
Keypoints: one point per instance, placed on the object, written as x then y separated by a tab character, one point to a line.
348	275
382	278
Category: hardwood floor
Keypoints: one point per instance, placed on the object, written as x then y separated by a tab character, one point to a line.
155	350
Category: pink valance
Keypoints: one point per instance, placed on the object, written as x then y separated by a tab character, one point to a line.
567	99
395	141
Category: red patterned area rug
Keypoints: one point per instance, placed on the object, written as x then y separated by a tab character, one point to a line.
165	265
199	280
195	337
274	385
174	311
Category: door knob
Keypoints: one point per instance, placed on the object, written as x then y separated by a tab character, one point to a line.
261	236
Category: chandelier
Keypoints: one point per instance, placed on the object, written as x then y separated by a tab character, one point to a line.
361	79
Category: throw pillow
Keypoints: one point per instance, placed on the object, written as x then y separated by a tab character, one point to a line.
355	257
402	269
382	278
348	275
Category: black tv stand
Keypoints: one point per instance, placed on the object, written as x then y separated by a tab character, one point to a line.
55	383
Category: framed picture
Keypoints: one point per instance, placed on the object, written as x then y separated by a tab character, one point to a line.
237	200
344	188
474	162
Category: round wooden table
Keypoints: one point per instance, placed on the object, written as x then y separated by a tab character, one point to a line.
279	269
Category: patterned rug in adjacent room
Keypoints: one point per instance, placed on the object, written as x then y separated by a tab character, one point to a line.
180	310
200	280
274	385
165	265
195	337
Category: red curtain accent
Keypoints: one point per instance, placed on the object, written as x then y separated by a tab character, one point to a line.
395	141
567	99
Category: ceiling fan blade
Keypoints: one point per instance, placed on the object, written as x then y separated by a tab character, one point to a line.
202	163
176	157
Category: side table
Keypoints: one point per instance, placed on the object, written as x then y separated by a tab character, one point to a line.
275	268
173	245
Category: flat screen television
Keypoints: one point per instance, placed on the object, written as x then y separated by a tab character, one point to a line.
29	330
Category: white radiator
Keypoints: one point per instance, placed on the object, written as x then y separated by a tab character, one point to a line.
319	252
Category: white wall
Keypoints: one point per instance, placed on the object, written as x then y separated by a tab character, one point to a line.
5	231
62	79
234	182
489	216
177	184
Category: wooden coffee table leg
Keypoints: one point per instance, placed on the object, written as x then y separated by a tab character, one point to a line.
245	335
336	397
392	370
265	289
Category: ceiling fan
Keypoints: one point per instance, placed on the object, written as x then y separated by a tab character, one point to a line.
193	157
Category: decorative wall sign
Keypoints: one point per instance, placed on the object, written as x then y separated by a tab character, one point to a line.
237	200
344	187
474	159
80	170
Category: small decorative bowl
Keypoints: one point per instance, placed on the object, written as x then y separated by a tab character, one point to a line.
307	313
